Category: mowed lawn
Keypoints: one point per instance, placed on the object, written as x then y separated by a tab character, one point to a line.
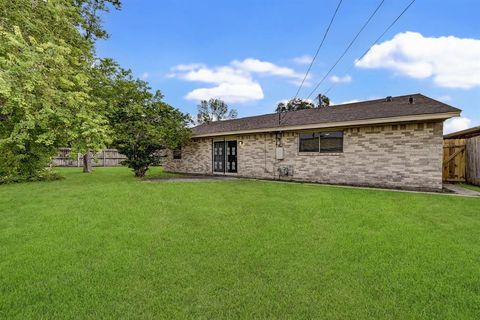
471	187
107	245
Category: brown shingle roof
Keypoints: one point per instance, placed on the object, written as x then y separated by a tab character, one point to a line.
373	109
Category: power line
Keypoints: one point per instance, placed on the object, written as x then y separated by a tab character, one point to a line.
318	49
280	116
376	41
347	48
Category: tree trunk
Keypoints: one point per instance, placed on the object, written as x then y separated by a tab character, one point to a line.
140	172
87	162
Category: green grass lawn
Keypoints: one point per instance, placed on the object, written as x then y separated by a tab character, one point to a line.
471	187
107	245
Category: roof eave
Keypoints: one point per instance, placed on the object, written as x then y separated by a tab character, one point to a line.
468	131
420	117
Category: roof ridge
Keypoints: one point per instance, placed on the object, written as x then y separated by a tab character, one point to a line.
380	99
303	110
227	120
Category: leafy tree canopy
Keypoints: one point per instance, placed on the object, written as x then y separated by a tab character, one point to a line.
46	99
91	23
300	104
214	110
294	105
55	93
143	124
323	100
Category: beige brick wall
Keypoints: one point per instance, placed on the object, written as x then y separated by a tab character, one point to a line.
196	158
407	156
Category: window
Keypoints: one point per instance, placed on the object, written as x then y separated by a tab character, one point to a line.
177	153
323	142
331	142
309	142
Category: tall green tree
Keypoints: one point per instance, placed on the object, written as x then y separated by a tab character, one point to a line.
142	123
45	95
92	29
102	83
91	22
214	110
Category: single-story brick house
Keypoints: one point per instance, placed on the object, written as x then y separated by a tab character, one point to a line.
394	143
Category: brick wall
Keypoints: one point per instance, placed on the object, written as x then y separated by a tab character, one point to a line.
196	158
407	156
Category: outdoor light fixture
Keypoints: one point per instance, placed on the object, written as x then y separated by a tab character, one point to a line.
240	143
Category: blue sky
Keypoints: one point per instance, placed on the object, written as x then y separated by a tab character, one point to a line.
253	53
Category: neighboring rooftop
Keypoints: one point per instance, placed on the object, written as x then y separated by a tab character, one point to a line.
391	109
467	133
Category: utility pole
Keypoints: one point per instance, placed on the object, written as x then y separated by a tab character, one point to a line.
320	100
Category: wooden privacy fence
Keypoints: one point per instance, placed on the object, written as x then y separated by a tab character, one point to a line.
454	151
473	160
104	158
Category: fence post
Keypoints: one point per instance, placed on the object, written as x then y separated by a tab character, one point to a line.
104	157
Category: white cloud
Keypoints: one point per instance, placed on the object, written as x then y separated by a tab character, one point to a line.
265	67
217	75
188	67
229	92
456	124
450	61
145	75
338	79
444	98
231	83
305	59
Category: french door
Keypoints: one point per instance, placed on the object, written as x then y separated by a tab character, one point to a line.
231	156
219	156
225	156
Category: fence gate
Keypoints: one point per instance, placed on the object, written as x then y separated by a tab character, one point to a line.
454	160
